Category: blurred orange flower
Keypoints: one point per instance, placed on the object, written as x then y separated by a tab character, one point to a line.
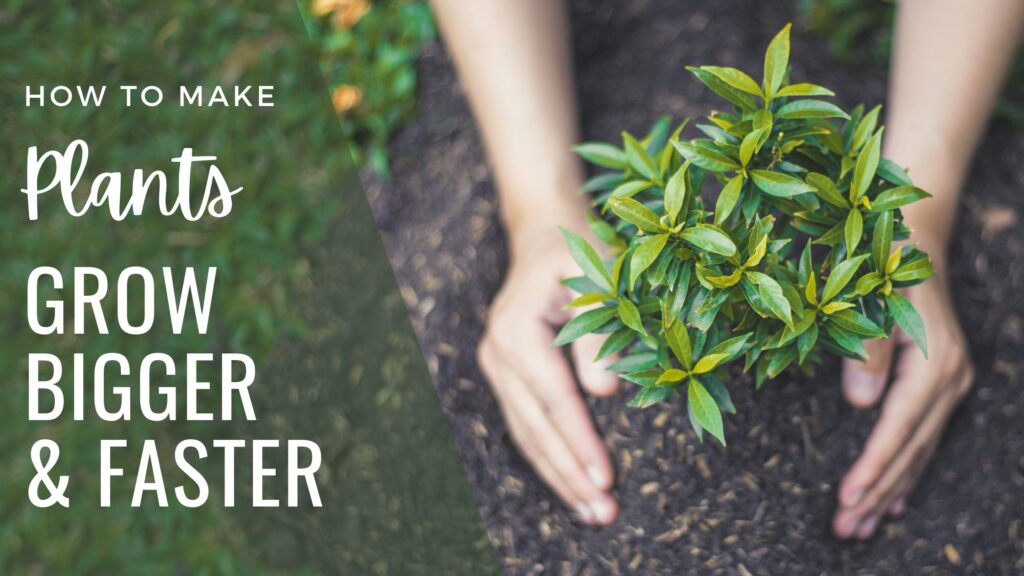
344	13
346	97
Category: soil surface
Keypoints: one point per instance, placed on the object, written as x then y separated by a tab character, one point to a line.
764	505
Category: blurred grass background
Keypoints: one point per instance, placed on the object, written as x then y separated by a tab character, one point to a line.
367	51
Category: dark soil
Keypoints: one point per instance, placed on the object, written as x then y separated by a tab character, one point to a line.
764	505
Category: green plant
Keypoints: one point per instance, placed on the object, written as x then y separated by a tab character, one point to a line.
796	256
368	54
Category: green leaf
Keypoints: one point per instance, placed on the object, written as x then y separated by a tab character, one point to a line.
604	231
640	361
589	300
737	98
856	323
631	188
616	342
709	362
826	189
630	316
710	238
672	375
749	146
776	60
908	320
854	229
636	214
771	293
638	158
848	343
803	89
727	199
867	164
868	282
679	342
735	78
587	258
675	193
732	347
897	197
779	184
705	158
806	341
881	240
602	182
602	154
840	277
913	270
801	109
645	255
865	128
706	410
584	324
893	173
650	396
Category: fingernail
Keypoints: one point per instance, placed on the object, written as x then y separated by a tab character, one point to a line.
850	529
584	511
603	511
852	500
598	476
899	507
867	528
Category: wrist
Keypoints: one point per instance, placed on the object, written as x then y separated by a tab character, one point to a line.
537	222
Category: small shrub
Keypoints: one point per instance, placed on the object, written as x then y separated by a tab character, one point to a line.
796	256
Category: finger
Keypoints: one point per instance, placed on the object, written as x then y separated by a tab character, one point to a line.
901	415
547	374
593	374
906	468
863	382
557	454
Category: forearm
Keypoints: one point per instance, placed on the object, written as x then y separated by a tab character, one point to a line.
949	62
514	62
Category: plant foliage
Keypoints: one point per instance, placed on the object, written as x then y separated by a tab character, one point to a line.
795	255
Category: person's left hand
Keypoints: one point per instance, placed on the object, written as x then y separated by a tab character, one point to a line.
921	399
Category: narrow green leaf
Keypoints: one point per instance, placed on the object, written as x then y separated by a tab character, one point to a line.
750	145
587	258
897	197
602	154
735	78
801	109
631	188
727	199
737	98
840	277
772	295
630	316
616	342
710	238
638	158
675	193
671	376
779	184
856	323
908	320
705	158
826	189
650	396
867	165
645	255
706	410
881	240
776	60
803	89
679	342
636	214
584	324
854	229
719	392
865	128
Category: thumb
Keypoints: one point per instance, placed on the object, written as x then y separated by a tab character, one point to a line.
863	382
594	375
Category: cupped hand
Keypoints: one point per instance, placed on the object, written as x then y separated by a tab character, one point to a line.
535	385
923	395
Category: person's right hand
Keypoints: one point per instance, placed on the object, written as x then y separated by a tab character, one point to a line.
534	385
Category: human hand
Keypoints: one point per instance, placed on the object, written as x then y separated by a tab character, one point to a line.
921	399
534	385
